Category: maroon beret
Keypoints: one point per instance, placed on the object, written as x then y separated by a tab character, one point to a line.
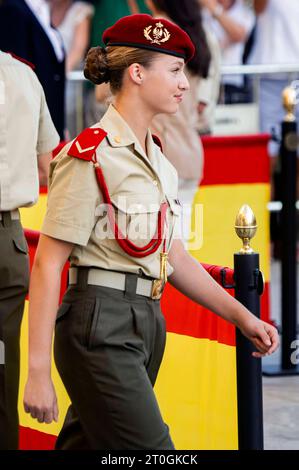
145	32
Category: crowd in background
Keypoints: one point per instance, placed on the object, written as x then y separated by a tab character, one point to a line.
81	24
236	31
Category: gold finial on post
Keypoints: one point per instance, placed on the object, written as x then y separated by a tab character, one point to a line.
245	227
289	100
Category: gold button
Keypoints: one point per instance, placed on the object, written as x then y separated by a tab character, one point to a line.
117	139
96	132
155	182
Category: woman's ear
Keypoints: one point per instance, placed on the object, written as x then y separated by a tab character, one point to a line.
136	73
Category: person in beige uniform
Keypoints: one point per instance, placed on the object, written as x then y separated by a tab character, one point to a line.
27	135
113	211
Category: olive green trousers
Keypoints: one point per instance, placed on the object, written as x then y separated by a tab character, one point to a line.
14	278
108	349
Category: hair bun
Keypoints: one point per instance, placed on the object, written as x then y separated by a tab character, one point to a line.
96	66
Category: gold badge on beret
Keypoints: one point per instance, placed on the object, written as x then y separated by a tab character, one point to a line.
158	35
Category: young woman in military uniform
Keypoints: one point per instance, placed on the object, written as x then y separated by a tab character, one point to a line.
110	333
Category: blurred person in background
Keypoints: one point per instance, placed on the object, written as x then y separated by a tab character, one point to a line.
73	21
208	90
25	30
106	13
178	133
276	42
28	136
232	22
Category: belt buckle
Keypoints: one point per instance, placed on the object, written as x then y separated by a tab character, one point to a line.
157	289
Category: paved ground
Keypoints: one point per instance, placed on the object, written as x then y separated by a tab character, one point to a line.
281	413
281	394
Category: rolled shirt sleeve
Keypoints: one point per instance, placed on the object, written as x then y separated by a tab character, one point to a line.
73	198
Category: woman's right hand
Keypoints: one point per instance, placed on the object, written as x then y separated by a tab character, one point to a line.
40	398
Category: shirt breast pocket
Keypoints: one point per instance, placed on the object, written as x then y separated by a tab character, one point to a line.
137	217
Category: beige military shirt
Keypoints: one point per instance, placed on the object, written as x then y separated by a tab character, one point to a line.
137	184
26	130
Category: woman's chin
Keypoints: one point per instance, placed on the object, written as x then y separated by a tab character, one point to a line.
175	110
169	109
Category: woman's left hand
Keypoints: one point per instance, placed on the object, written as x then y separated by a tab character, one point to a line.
263	336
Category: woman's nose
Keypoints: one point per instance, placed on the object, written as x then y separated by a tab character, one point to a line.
184	84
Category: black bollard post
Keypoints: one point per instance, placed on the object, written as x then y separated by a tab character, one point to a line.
288	155
289	233
248	288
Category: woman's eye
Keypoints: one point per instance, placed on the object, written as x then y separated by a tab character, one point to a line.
176	70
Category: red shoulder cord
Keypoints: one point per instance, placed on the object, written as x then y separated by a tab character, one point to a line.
127	245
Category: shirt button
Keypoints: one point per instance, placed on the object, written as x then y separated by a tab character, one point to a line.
96	132
117	139
155	182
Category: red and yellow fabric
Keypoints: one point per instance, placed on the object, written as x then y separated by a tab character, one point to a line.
196	386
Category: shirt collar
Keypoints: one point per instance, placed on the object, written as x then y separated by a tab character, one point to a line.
121	135
119	132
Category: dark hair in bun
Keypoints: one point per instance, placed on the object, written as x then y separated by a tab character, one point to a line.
109	64
96	66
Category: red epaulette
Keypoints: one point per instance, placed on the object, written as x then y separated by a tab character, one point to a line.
157	141
85	145
59	147
24	61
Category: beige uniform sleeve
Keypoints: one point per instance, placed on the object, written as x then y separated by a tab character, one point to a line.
48	137
73	198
